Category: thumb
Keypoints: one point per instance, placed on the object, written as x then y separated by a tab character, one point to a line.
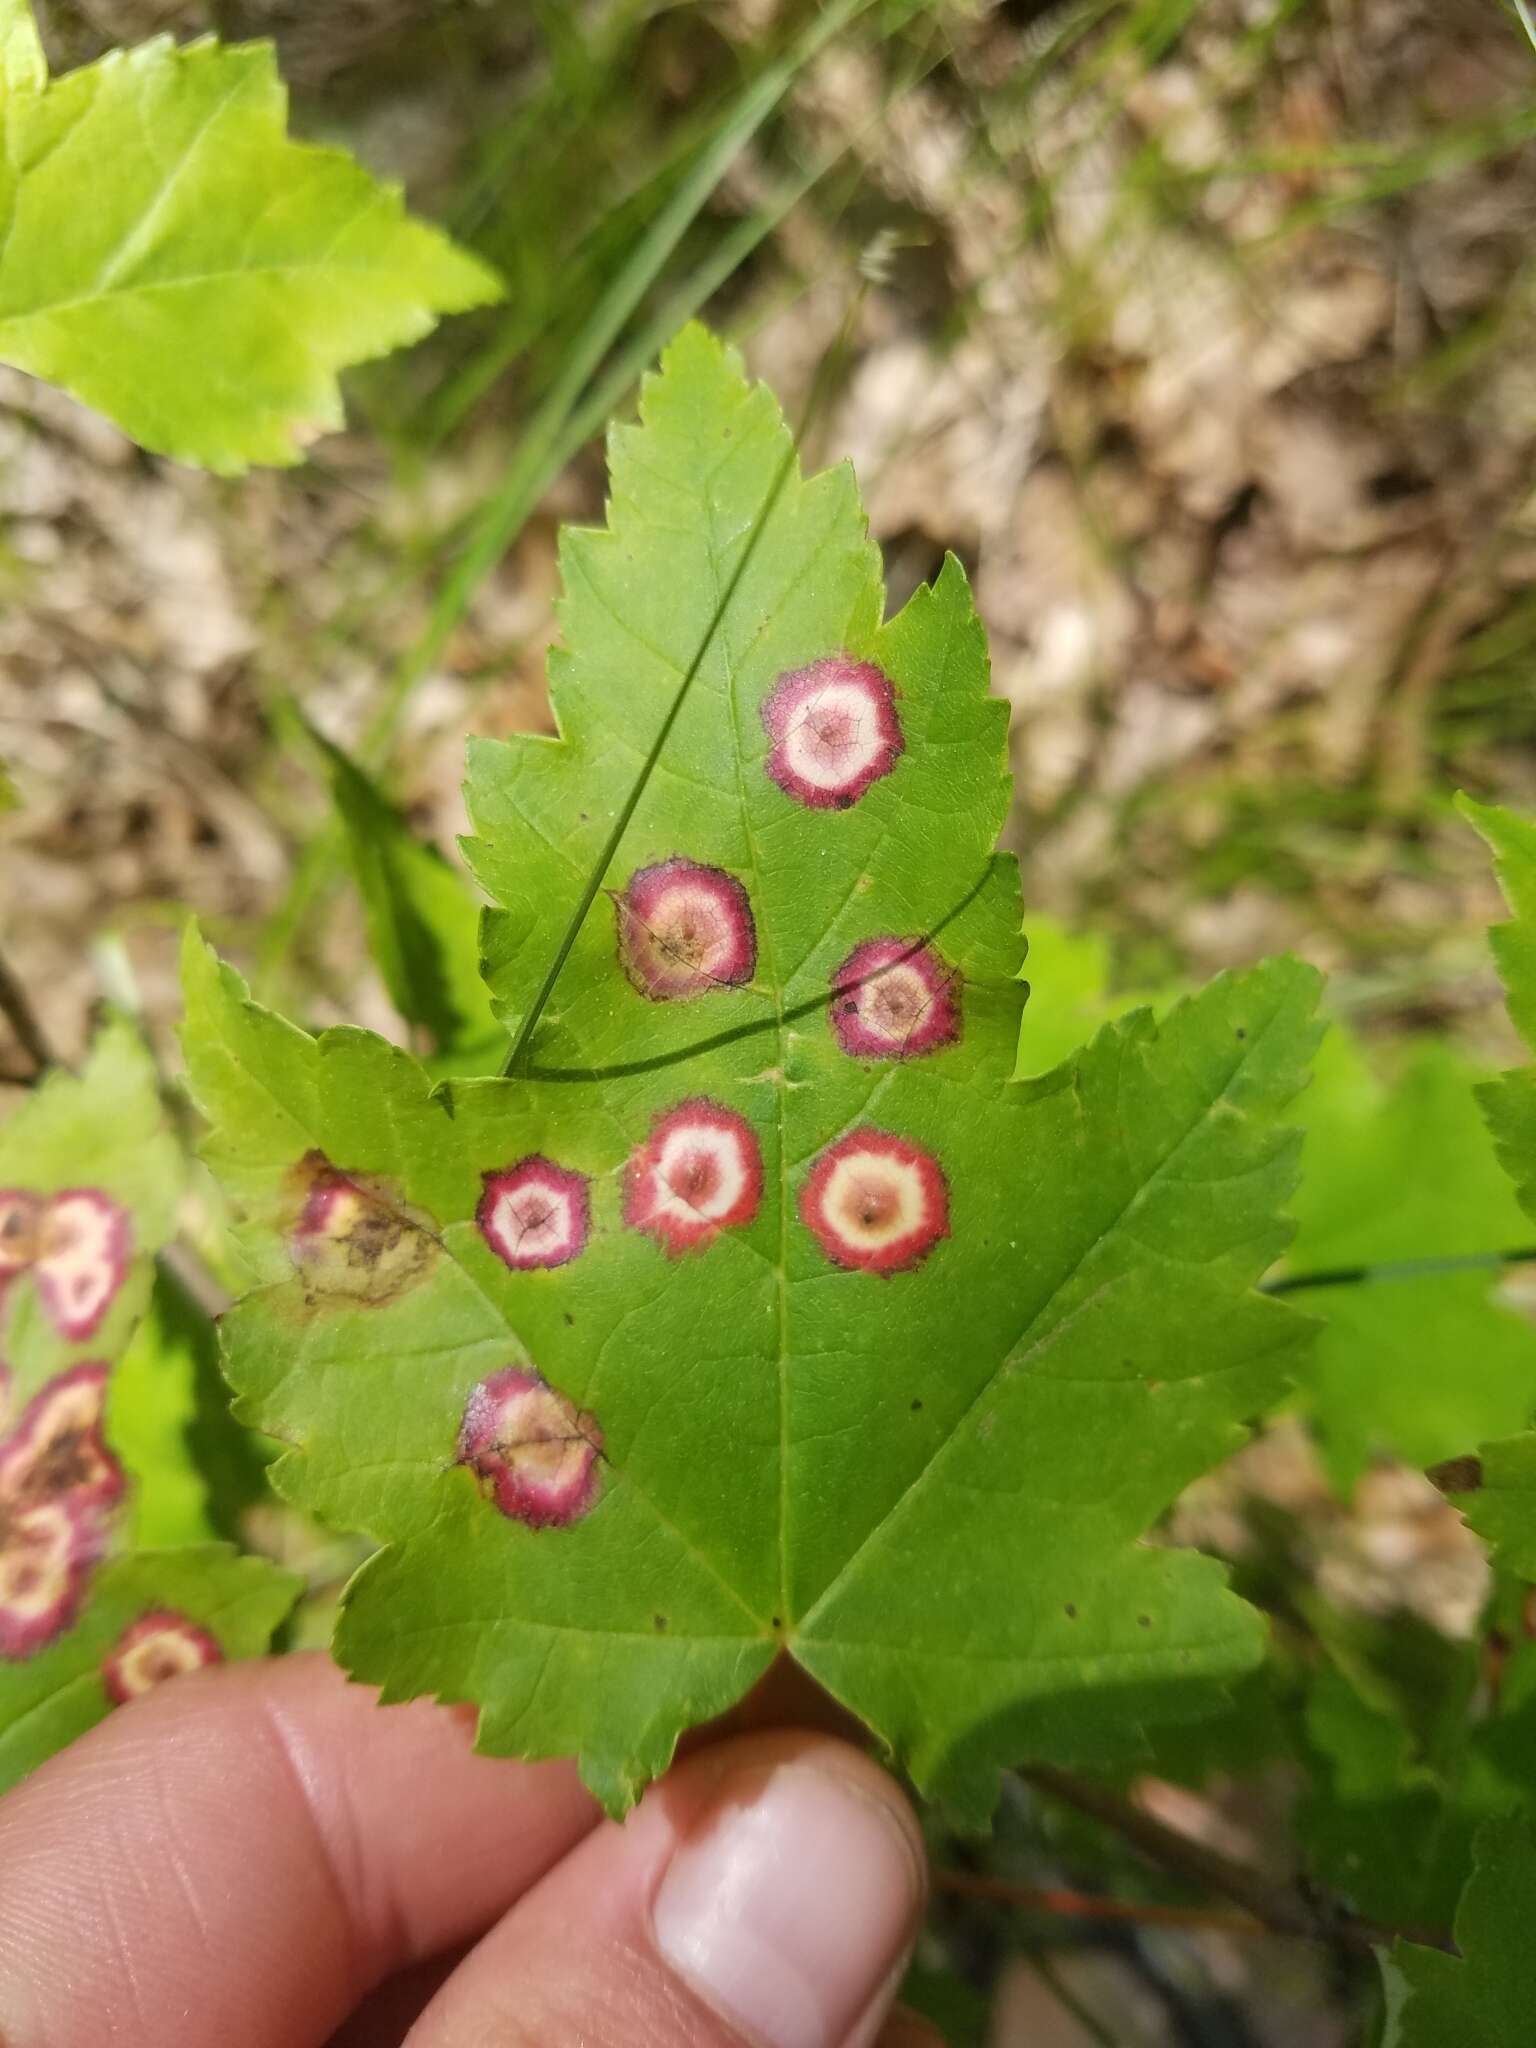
766	1892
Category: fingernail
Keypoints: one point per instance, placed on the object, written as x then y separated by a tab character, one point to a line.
790	1902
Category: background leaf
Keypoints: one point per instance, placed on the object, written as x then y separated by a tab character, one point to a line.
60	1693
1395	1174
423	918
221	275
1486	1993
90	1178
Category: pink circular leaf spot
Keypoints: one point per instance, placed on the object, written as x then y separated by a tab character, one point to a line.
84	1242
156	1647
685	930
699	1172
535	1214
894	999
535	1450
58	1451
876	1203
834	730
47	1550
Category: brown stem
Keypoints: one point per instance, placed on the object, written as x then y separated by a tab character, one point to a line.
1279	1907
1072	1905
16	1007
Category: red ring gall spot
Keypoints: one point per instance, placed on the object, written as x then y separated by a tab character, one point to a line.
535	1450
699	1172
684	930
58	1451
894	999
876	1203
834	731
47	1550
158	1646
535	1214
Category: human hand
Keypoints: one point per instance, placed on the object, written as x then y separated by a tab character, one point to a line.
259	1857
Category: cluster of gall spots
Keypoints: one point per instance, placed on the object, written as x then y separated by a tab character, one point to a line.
352	1241
535	1214
834	731
894	999
57	1481
876	1202
76	1245
684	930
536	1451
156	1647
699	1172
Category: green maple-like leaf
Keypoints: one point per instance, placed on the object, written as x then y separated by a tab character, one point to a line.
170	257
93	1408
1394	1175
1486	1994
928	1484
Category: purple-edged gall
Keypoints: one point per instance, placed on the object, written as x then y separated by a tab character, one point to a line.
353	1241
47	1549
84	1242
535	1214
158	1646
535	1450
834	731
684	930
894	999
876	1203
58	1451
699	1172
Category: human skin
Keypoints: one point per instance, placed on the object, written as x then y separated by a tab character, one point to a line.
258	1855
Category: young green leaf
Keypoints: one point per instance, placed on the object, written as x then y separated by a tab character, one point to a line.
1485	1994
423	918
761	1313
219	275
1391	1176
23	67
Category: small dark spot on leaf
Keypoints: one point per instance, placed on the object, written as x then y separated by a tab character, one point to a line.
844	803
570	1320
777	1620
1143	1621
1457	1475
1070	1611
659	1623
1242	1031
917	1407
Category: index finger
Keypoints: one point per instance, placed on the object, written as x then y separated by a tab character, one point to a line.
242	1854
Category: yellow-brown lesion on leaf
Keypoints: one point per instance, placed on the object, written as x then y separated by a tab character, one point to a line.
351	1238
